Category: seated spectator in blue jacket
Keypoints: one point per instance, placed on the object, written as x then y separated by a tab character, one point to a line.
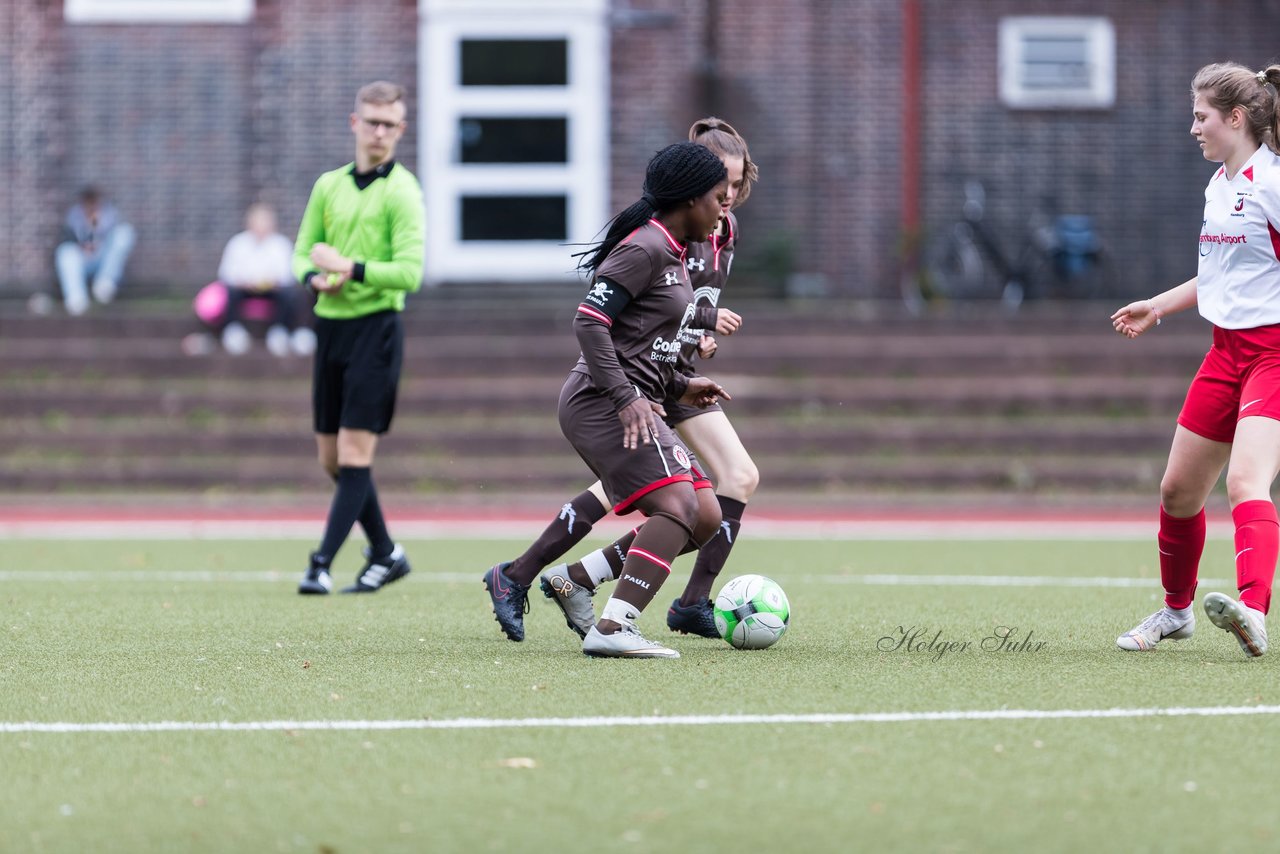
95	245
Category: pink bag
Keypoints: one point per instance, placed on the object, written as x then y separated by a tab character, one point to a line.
210	303
210	306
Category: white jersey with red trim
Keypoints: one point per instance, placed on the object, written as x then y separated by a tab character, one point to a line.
1239	277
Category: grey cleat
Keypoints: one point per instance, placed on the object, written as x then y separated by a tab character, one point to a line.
574	599
627	642
1162	625
1248	626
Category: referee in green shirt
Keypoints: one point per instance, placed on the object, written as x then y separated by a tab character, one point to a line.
360	249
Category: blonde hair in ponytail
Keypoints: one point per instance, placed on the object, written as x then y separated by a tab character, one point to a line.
721	137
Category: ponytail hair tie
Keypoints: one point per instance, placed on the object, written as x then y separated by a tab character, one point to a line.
649	199
1262	77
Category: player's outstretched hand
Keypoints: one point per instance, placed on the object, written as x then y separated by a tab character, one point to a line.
1135	318
727	322
703	392
639	420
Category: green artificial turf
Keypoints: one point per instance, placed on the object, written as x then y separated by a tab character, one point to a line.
201	631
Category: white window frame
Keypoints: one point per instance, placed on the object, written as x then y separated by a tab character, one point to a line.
1100	39
583	179
158	11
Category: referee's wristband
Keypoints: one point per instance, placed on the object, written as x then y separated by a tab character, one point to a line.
1151	304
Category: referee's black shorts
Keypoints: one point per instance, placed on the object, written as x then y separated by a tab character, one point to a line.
357	372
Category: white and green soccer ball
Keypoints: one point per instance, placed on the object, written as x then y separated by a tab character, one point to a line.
752	612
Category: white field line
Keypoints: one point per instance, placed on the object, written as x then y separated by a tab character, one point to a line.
623	721
872	580
524	529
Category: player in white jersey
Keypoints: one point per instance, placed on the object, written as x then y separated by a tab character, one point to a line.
1231	417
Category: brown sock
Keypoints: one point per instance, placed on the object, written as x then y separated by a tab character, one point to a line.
571	525
648	564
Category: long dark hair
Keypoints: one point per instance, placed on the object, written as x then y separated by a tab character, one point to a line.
675	175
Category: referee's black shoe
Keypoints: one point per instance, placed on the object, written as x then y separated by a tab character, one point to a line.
317	581
379	572
510	601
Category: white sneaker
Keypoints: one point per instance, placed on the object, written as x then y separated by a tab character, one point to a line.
574	599
1165	624
1249	626
235	339
104	290
627	642
303	341
77	306
278	341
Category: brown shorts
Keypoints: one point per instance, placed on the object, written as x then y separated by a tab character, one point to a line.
590	423
678	413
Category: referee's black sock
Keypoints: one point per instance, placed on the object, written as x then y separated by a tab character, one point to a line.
375	527
348	500
373	523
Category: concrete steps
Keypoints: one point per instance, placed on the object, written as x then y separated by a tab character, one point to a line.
830	400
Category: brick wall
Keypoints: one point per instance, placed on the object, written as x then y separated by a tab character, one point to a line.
1134	168
804	83
186	124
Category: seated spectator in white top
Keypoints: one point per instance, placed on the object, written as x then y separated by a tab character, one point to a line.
257	265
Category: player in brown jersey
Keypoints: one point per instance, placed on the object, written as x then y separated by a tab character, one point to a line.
628	327
713	440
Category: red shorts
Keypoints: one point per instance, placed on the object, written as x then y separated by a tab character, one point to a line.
1239	378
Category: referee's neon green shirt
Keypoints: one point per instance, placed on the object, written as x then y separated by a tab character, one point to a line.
382	226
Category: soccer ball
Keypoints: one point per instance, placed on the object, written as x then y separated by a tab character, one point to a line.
752	612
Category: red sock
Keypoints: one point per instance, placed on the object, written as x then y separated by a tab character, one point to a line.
1181	543
1257	545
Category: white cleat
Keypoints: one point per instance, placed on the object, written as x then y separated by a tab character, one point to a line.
627	642
1249	626
1164	624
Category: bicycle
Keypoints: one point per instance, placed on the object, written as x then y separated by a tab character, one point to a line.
969	262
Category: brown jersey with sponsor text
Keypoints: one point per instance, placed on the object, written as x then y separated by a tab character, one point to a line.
708	264
649	265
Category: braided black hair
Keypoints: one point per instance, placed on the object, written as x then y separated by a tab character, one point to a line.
675	175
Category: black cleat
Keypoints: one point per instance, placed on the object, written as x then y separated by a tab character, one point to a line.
317	581
696	619
377	574
510	601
